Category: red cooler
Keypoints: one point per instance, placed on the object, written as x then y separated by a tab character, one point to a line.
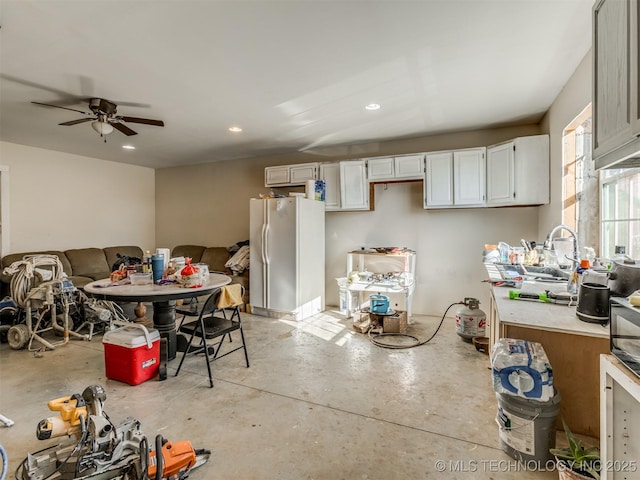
131	354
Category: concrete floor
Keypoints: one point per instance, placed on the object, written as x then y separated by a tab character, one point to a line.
318	402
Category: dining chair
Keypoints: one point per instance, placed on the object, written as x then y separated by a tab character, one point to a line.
212	328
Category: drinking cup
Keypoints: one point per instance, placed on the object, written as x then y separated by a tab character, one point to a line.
157	267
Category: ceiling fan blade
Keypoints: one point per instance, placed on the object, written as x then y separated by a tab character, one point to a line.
123	128
64	108
146	121
75	122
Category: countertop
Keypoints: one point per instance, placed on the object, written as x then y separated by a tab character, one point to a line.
540	315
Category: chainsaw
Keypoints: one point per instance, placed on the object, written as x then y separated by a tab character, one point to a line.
96	449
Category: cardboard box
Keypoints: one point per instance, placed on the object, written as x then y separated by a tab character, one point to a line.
131	354
395	323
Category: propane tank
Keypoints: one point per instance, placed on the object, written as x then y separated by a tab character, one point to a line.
470	320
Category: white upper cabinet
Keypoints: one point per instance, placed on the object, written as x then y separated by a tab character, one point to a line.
455	179
380	169
276	176
330	173
469	176
518	172
402	167
299	174
438	184
409	166
287	175
616	113
354	186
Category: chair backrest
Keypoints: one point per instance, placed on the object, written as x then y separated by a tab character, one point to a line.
211	303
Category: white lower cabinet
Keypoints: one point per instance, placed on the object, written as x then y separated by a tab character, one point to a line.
455	179
518	172
619	420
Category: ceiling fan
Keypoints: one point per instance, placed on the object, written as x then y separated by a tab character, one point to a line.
103	117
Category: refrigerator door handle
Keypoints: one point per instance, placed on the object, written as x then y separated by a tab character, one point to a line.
264	264
265	261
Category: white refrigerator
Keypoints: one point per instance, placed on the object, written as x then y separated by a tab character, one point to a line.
286	273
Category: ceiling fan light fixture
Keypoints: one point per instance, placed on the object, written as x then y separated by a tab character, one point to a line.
103	128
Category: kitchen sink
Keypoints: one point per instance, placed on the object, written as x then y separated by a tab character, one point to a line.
551	274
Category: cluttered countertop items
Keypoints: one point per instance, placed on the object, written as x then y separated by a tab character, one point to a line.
560	272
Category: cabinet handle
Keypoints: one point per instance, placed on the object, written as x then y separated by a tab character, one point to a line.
514	194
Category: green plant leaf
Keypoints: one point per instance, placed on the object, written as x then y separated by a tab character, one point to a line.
576	457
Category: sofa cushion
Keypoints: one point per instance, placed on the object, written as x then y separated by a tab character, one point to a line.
194	252
111	253
80	282
216	257
88	262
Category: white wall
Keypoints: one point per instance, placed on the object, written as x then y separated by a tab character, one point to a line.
574	97
60	201
209	205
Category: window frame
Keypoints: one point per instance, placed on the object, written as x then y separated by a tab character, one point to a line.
614	177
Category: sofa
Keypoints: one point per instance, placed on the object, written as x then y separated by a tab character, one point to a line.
215	258
82	265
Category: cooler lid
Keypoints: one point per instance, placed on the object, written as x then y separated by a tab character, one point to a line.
131	336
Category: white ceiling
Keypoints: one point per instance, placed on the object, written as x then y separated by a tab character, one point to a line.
295	75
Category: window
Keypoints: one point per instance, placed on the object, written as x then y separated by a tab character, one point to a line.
620	211
603	207
580	181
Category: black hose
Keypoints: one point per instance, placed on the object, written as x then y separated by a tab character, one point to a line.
144	459
416	341
159	442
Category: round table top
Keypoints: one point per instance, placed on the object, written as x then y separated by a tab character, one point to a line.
152	293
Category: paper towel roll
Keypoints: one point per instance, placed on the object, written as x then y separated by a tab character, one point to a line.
311	189
167	253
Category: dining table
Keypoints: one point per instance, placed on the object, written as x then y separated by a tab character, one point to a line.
162	295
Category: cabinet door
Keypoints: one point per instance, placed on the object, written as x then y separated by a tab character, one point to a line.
354	186
438	184
299	174
276	176
330	173
469	177
531	170
611	71
408	166
380	169
500	174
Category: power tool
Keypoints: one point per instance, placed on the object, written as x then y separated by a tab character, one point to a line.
97	449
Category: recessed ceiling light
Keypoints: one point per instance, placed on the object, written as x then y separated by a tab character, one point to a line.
128	147
372	106
235	129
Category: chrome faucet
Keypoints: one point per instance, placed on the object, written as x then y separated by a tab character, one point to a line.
554	230
572	284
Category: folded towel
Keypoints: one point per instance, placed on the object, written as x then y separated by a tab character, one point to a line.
230	296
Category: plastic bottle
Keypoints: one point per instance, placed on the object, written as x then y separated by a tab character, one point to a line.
146	262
